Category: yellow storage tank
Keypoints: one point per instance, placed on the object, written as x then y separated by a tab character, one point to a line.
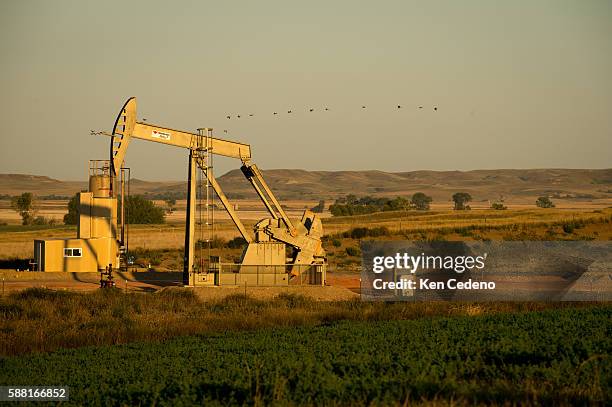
100	186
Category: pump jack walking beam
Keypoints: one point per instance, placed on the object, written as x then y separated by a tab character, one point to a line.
126	127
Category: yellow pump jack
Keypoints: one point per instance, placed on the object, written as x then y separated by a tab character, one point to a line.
267	246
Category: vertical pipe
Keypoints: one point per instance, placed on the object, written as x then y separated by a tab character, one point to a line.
209	154
324	266
190	219
127	224
123	209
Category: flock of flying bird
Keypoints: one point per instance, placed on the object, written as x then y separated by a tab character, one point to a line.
310	110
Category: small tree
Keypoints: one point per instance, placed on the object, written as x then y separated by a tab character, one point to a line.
170	203
25	206
498	206
72	217
237	243
320	208
351	199
142	211
420	201
396	204
544	202
461	199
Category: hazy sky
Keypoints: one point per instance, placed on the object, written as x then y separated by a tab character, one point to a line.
518	84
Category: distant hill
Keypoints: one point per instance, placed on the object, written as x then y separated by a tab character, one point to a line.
15	184
481	184
301	184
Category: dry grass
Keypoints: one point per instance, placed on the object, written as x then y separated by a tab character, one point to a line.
464	226
40	320
407	221
491	224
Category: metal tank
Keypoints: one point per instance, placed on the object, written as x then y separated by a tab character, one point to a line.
100	185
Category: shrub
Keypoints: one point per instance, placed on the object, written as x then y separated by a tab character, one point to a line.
360	233
237	243
379	231
498	206
336	243
544	202
353	251
215	243
142	211
72	217
155	259
41	221
320	208
420	201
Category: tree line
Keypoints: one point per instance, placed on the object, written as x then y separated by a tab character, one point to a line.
141	210
352	205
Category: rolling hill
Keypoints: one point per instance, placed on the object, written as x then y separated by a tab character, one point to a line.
301	184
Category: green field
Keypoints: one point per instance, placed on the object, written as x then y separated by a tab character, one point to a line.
550	357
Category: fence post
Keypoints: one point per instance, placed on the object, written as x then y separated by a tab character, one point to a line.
126	286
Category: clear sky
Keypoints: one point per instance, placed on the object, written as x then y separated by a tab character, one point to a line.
518	84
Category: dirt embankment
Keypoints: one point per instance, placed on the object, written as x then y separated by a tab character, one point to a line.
338	289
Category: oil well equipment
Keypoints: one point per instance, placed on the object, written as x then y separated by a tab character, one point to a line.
277	251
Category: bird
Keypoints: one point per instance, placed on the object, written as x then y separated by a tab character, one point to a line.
399	107
326	109
275	113
420	107
435	108
250	114
363	107
238	116
289	111
228	117
311	110
225	131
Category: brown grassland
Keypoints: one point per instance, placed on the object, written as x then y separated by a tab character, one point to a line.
16	242
35	320
41	320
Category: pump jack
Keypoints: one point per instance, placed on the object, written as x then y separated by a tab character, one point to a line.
272	236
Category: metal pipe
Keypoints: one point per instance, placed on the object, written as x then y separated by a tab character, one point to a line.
190	221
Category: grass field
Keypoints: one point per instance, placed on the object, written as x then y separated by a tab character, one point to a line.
552	357
342	243
171	347
41	320
16	242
